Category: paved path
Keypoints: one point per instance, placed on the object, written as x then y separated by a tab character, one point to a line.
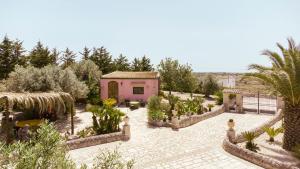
197	146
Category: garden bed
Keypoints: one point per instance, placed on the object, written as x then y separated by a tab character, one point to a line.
271	156
95	140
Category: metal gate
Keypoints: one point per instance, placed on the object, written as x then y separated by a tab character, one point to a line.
260	103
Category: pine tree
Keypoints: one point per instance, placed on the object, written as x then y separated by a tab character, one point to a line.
145	64
11	54
54	56
135	66
102	59
68	58
40	56
85	53
121	63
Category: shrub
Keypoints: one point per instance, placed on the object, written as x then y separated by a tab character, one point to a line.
219	100
156	115
272	132
48	78
110	102
154	103
232	96
106	119
250	145
111	160
210	106
46	149
85	132
210	85
181	108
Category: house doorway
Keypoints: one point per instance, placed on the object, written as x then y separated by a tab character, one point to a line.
113	90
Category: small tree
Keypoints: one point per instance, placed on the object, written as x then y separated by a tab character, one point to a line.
45	150
210	86
168	70
121	63
102	58
68	58
40	56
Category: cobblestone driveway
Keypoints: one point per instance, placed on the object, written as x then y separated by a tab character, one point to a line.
197	146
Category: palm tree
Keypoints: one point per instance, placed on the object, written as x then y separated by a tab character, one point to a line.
284	78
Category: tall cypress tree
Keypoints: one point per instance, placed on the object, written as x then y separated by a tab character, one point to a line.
68	58
40	56
121	63
135	65
54	56
11	53
102	58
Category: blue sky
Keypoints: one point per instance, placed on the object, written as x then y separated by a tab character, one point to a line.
210	35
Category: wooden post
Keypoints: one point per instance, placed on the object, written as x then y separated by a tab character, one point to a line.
72	119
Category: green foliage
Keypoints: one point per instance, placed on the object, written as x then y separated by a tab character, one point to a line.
210	86
283	77
296	151
168	70
272	132
41	56
111	160
210	106
68	58
154	103
48	78
110	102
232	96
88	71
106	119
219	99
143	64
46	149
85	132
157	115
121	63
85	53
176	77
250	145
102	58
11	54
181	108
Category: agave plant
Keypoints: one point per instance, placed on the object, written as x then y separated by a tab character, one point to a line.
250	145
272	132
283	77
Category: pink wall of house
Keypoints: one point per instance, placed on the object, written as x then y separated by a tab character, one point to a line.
151	87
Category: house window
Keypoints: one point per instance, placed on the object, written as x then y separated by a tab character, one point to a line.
138	90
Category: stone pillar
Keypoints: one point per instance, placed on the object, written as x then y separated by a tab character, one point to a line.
231	135
226	101
174	120
239	103
126	129
126	132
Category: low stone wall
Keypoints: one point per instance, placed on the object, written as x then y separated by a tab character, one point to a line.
258	159
197	118
259	130
94	140
123	135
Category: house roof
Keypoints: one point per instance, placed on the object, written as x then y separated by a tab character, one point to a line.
131	75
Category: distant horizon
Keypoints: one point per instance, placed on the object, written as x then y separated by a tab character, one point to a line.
212	36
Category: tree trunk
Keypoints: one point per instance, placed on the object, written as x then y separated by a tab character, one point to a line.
291	127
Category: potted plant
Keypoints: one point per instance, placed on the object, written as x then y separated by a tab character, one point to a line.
210	106
231	124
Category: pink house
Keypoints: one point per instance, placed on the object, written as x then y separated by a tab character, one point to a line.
129	85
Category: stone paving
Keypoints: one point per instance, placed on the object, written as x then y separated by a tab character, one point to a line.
197	146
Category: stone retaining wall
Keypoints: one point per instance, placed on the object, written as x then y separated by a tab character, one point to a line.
123	135
94	140
258	159
197	118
